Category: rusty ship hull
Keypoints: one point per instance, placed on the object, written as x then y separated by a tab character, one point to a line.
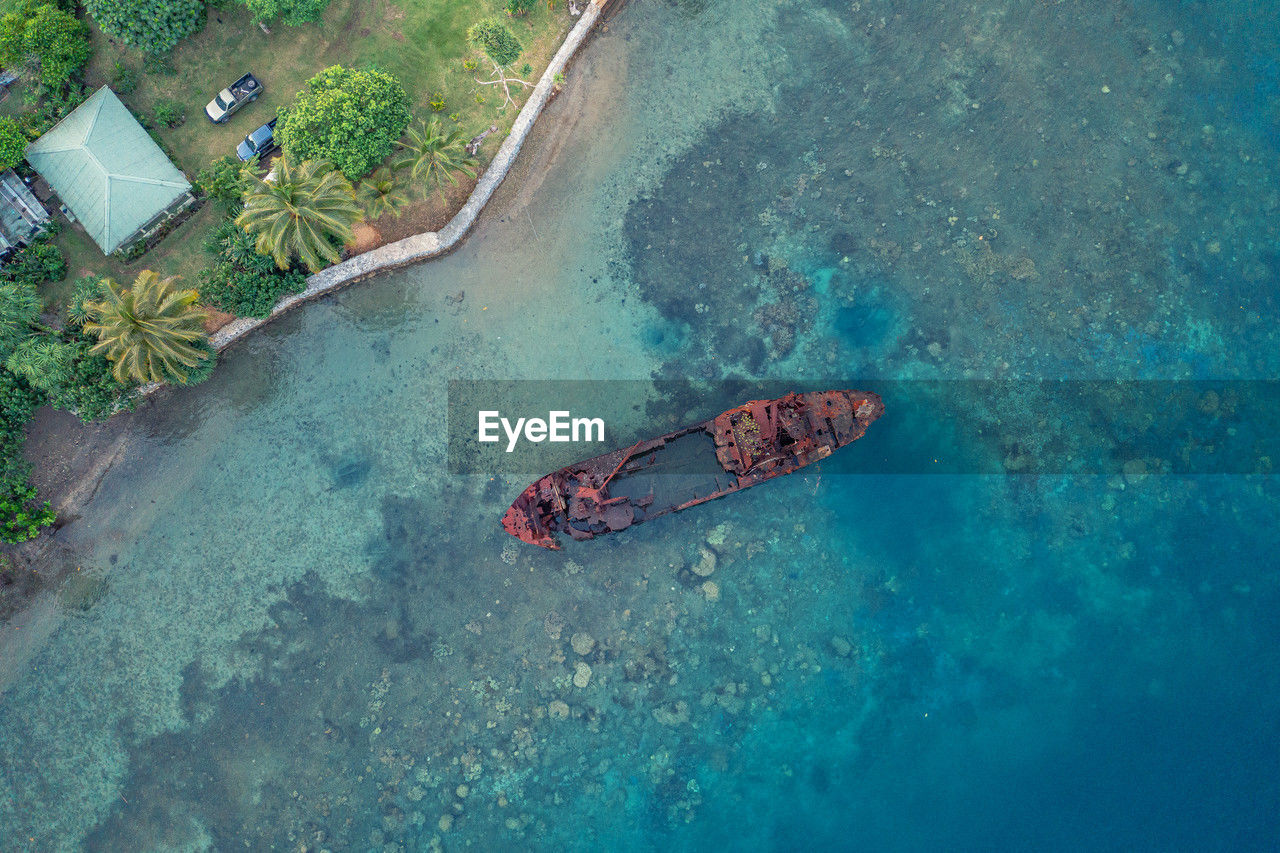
750	444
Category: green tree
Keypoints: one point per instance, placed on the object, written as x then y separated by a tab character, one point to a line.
432	155
150	332
225	179
291	12
42	360
58	42
153	26
300	211
381	193
13	143
19	314
498	43
349	117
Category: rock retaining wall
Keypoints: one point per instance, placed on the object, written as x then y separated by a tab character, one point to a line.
430	244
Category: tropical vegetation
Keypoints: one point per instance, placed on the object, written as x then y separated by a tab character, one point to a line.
382	194
304	211
13	143
41	37
152	26
242	281
349	117
151	331
432	155
291	12
497	41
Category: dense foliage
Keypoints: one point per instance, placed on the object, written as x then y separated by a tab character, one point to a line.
43	364
13	142
153	26
58	44
306	211
224	180
520	8
499	43
148	331
346	116
52	43
242	281
291	12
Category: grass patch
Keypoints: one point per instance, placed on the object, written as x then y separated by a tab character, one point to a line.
422	42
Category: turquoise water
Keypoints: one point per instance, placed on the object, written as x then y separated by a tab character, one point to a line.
301	632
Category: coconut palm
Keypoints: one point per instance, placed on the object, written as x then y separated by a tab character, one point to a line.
381	193
432	155
151	332
298	211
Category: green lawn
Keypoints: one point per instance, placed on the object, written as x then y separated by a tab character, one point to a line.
422	42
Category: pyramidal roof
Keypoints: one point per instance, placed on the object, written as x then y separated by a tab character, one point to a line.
107	169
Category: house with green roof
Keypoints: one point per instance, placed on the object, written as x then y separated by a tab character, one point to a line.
110	173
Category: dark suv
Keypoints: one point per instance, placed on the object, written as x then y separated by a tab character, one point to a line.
260	143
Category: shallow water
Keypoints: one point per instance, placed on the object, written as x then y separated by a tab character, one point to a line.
295	629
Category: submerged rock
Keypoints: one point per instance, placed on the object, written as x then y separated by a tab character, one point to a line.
582	643
672	715
706	565
558	709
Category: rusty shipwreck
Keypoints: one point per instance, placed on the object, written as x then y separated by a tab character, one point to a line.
754	442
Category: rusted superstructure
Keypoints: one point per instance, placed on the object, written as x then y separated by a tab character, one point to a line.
752	443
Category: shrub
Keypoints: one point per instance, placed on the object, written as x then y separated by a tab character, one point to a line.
20	516
153	26
498	42
169	113
242	281
124	80
291	12
350	118
86	385
520	8
436	103
39	262
13	142
223	180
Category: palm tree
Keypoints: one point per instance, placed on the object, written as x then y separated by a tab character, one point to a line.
19	313
42	360
298	210
432	155
151	332
381	193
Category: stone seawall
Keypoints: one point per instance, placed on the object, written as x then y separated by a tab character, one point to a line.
430	244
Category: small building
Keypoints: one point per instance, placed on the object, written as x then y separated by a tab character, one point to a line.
22	216
110	173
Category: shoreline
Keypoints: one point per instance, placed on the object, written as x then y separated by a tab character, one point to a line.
70	459
429	244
